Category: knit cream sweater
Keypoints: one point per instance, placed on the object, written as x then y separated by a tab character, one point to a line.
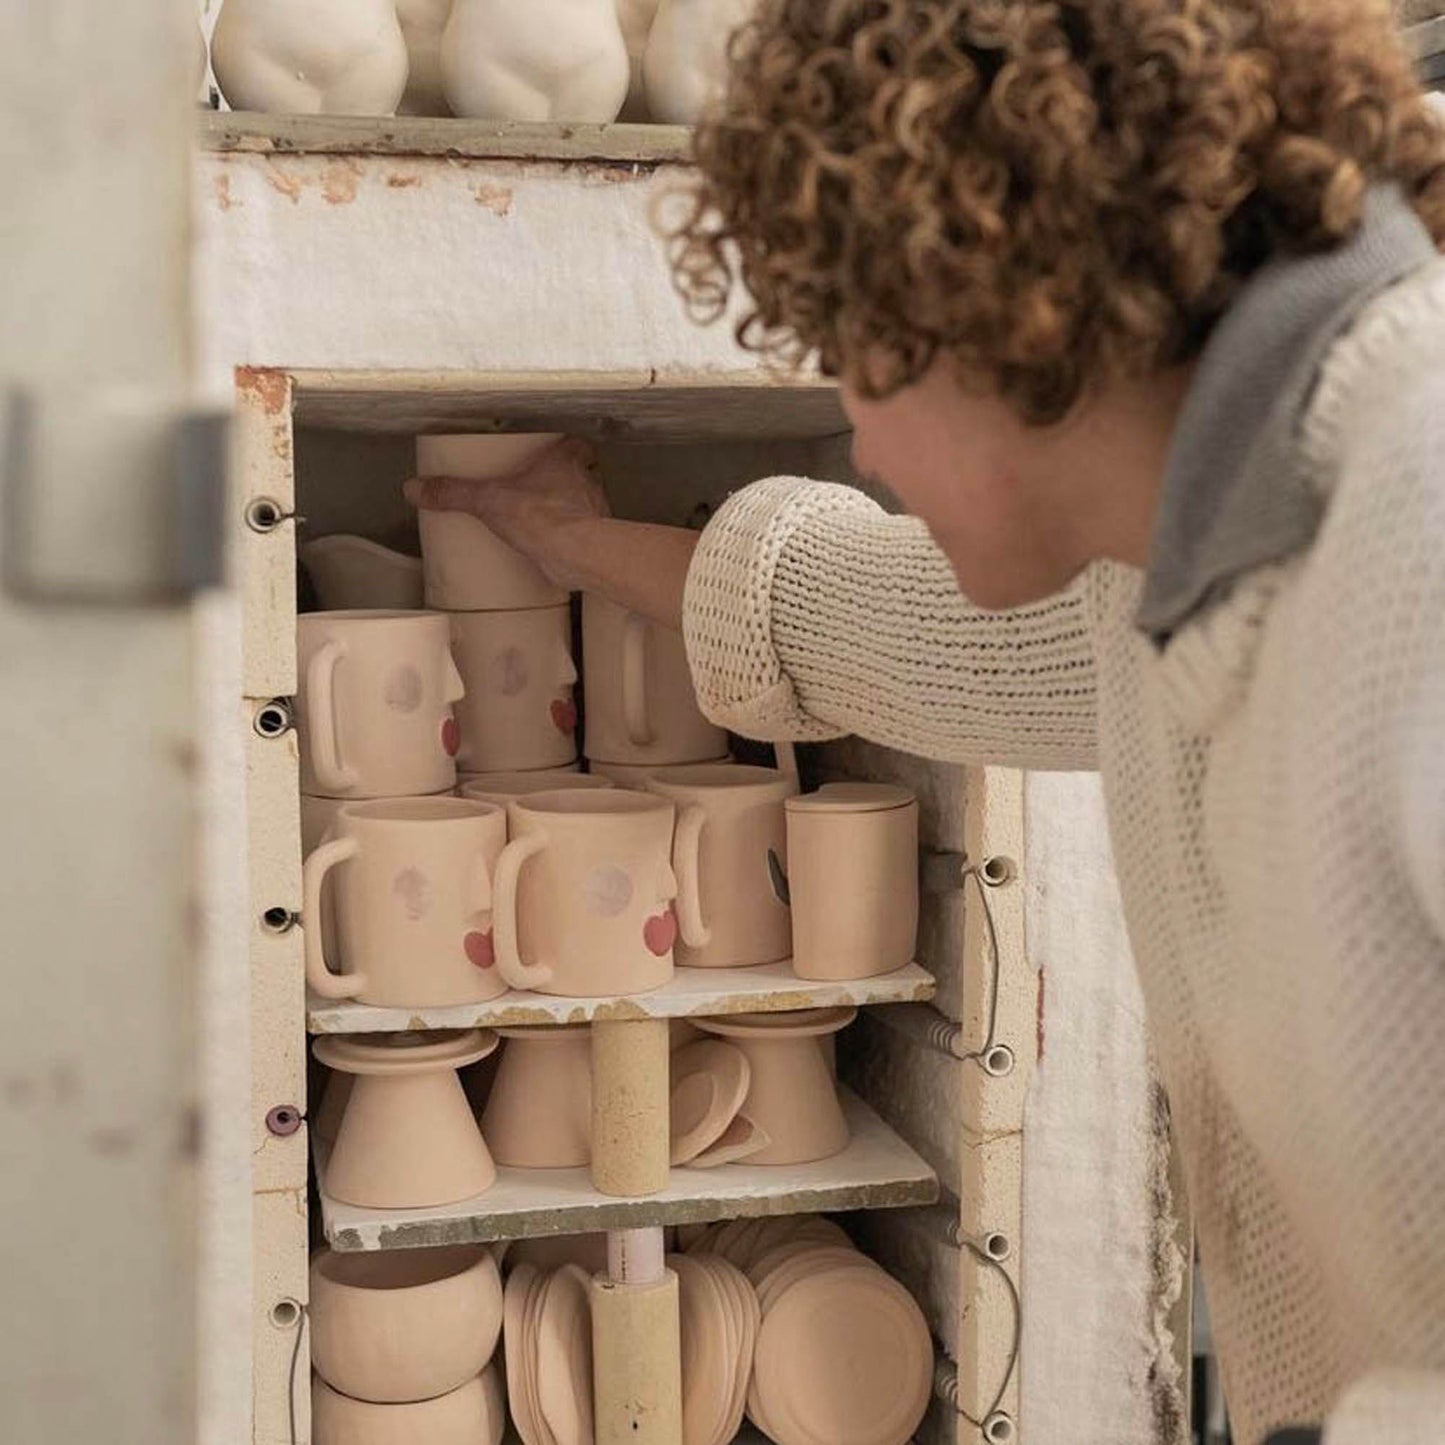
1276	788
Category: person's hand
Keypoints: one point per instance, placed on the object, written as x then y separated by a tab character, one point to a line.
542	510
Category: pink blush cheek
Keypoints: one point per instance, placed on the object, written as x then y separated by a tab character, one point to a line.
451	737
479	949
659	933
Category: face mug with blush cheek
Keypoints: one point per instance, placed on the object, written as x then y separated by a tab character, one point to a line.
584	893
374	706
517	668
412	903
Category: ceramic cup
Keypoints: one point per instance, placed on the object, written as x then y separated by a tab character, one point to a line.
412	905
374	704
791	1095
853	879
517	667
641	707
408	1139
466	566
539	1113
583	893
475	1414
503	787
404	1324
351	571
730	858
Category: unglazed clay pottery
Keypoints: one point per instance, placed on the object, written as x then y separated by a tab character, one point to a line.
584	892
641	707
356	573
404	1324
475	1414
501	788
742	1139
729	854
853	880
708	1363
374	704
539	1113
467	567
709	1083
550	60
518	712
635	17
408	1139
310	57
422	24
791	1095
684	67
413	902
325	1120
564	1356
551	1251
523	1285
636	775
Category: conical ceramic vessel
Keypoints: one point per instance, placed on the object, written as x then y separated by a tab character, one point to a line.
539	1113
408	1139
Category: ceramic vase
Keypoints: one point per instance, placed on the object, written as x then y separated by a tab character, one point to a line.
412	885
641	707
310	57
584	890
684	67
391	1326
539	1112
475	1414
551	60
408	1139
422	25
853	880
518	711
374	703
356	573
466	566
791	1095
730	857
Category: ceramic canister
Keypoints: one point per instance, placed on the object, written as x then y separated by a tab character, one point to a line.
518	712
641	707
853	880
730	858
412	904
374	704
584	893
394	1325
466	566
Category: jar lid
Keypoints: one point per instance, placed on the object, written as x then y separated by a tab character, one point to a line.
851	798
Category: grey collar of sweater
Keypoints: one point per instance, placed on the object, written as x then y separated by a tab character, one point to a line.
1237	490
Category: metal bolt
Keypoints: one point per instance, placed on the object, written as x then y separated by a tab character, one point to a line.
998	1061
998	1428
284	1120
274	718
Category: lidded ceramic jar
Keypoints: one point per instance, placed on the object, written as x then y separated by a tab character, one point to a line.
853	880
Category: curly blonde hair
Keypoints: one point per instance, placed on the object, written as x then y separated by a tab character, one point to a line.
1053	193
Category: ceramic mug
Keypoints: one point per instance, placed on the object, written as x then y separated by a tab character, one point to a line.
413	902
730	857
465	565
641	707
374	704
501	788
635	775
853	880
517	667
583	893
349	571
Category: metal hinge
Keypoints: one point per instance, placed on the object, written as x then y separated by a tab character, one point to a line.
111	497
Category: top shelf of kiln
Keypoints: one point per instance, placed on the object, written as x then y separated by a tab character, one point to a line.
692	993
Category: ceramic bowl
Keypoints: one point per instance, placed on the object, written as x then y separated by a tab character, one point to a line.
475	1414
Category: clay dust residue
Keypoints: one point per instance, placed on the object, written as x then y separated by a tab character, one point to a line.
339	181
270	388
284	182
221	187
403	180
497	199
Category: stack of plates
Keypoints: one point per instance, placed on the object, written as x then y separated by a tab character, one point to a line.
719	1327
743	1242
547	1334
710	1080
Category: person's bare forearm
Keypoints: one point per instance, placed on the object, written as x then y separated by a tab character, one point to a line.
639	565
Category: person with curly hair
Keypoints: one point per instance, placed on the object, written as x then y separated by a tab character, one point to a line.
1137	307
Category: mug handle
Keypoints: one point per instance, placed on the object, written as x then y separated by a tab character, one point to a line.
331	772
504	913
319	862
634	680
685	846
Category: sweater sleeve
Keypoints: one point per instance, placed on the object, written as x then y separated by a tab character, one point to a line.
810	612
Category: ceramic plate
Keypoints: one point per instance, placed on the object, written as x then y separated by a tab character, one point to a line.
531	1310
740	1140
706	1371
843	1358
743	1311
790	1024
710	1082
564	1357
514	1301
